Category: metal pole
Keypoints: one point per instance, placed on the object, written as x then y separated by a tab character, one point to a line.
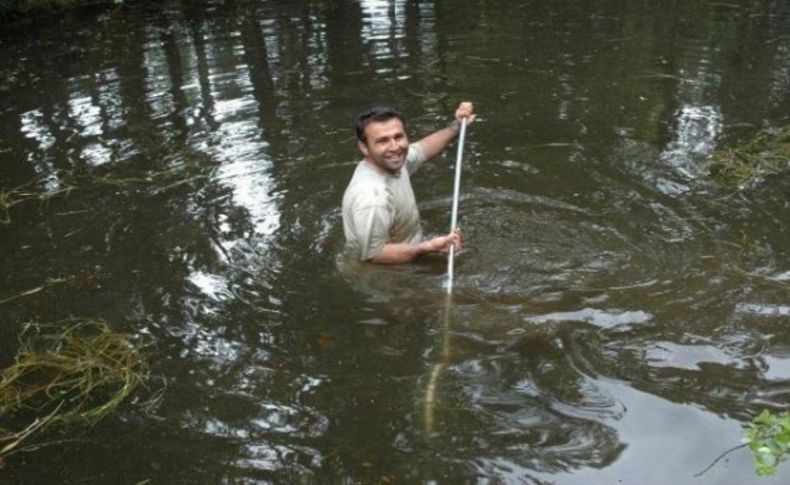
456	195
429	405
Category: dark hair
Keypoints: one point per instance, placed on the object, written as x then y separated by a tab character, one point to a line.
376	113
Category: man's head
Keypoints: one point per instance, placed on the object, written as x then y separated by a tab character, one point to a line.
381	135
378	114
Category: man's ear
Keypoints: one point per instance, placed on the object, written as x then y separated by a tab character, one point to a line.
363	148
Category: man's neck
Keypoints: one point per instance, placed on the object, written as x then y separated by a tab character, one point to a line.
381	170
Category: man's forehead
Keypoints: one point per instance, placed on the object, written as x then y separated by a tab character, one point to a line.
383	128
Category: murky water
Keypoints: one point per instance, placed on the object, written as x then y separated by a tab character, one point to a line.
618	314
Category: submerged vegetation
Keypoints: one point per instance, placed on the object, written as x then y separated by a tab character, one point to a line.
765	153
30	192
71	372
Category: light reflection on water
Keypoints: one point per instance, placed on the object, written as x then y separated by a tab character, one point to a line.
612	304
596	317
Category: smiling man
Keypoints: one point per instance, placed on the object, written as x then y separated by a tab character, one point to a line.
380	217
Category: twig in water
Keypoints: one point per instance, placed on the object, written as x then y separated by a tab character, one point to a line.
759	276
33	291
742	445
484	59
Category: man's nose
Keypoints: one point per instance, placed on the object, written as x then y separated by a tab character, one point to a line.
392	145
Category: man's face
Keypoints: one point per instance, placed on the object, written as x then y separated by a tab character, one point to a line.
385	144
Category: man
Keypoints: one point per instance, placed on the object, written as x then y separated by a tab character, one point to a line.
380	217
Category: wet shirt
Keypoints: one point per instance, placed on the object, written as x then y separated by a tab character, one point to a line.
380	208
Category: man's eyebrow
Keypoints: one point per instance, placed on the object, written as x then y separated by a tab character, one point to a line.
384	137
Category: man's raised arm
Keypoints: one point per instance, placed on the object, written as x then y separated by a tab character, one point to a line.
437	141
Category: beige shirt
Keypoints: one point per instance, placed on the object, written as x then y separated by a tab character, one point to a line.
380	208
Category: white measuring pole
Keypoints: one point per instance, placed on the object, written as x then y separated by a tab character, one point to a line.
456	195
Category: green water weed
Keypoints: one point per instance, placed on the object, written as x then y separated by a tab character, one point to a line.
768	437
76	371
765	153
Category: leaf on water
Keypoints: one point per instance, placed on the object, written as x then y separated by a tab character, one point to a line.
22	294
556	145
438	96
47	283
484	59
325	340
660	75
10	446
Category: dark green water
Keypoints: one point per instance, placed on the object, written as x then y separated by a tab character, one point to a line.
618	314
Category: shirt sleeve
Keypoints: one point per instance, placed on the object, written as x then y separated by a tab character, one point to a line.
372	225
414	158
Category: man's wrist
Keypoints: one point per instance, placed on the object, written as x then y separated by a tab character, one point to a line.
426	247
455	126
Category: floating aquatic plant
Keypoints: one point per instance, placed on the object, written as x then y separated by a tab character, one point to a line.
768	436
25	193
765	153
162	181
72	372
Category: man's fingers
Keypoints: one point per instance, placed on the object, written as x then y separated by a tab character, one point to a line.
465	110
454	238
466	106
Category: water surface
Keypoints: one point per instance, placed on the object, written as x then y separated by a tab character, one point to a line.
618	314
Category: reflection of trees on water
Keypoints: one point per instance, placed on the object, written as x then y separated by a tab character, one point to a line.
310	44
180	103
195	19
256	56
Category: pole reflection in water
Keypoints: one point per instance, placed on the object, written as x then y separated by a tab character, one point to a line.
429	402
